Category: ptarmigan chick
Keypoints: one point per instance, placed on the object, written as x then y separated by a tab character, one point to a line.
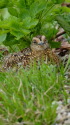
39	49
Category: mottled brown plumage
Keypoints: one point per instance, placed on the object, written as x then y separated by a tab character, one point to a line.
39	49
4	50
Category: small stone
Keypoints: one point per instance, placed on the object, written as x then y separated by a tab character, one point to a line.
58	124
68	101
67	122
59	102
64	113
59	117
68	115
59	108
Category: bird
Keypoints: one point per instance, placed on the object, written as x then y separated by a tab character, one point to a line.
38	50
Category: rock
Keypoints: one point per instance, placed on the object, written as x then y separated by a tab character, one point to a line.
67	122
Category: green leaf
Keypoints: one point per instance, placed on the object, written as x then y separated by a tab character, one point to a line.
4	24
2	37
13	11
65	9
10	40
29	23
20	34
49	31
24	13
67	0
3	32
15	24
55	44
3	3
25	31
33	23
65	23
36	7
58	1
17	34
4	13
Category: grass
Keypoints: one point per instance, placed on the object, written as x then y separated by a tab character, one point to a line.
26	96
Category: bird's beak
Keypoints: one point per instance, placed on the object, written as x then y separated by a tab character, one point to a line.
41	43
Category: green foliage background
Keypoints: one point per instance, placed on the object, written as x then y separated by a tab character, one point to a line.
20	20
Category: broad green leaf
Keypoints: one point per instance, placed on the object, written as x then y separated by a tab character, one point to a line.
65	9
20	34
24	13
14	24
5	14
3	3
20	4
67	0
63	23
2	37
17	34
33	23
50	31
36	7
29	23
13	11
58	1
25	23
25	32
7	22
10	40
55	44
42	6
3	32
4	24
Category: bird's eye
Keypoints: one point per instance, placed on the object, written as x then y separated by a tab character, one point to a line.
34	41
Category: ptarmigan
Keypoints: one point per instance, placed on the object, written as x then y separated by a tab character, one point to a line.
39	49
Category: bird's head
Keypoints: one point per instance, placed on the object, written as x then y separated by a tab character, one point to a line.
39	43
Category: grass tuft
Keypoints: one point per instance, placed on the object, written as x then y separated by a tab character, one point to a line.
26	96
